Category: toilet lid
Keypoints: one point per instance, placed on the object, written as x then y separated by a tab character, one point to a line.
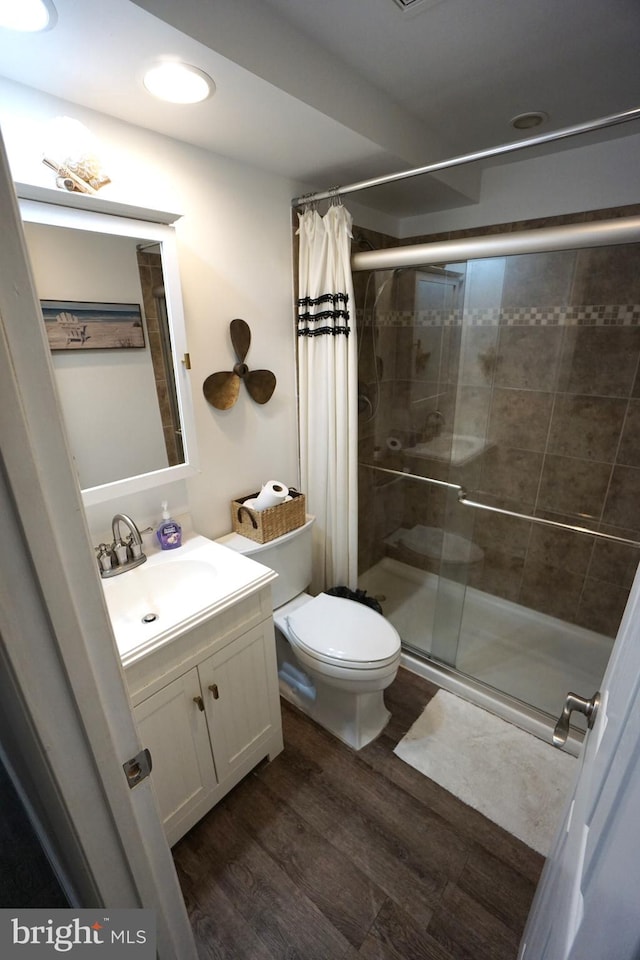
344	632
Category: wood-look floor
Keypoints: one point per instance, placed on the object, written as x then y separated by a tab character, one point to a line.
326	854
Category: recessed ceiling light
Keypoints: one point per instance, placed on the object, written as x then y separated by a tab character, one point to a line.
178	82
27	15
526	121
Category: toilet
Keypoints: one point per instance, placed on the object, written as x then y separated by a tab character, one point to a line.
335	656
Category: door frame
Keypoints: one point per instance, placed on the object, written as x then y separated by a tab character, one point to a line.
70	726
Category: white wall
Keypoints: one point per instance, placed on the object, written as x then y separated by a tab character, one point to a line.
235	256
584	177
234	248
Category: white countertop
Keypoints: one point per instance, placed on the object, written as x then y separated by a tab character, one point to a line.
179	589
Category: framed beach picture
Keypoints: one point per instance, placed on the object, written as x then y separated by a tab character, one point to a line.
92	326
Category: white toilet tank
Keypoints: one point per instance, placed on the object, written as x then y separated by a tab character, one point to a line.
289	555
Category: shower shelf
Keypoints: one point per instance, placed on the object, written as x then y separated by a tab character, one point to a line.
456	449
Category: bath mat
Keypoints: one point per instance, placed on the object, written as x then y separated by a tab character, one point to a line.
512	777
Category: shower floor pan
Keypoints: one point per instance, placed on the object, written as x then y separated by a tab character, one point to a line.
520	652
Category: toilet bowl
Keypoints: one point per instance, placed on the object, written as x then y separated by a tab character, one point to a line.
335	656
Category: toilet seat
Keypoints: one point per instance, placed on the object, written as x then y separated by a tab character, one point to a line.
336	631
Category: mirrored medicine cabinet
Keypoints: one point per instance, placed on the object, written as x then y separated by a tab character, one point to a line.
107	278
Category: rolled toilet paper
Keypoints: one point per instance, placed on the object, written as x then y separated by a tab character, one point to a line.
394	445
273	492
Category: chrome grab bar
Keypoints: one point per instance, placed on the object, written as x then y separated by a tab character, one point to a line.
466	501
411	476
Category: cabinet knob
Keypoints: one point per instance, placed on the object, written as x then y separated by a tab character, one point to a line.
214	690
200	702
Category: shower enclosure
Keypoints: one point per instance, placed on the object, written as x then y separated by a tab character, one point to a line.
496	393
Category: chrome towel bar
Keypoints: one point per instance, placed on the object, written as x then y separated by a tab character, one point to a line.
466	501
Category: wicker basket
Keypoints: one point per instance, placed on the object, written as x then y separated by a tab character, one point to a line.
265	525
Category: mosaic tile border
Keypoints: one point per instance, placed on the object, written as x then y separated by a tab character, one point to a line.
596	315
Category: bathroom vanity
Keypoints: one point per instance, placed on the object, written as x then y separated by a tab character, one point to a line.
202	677
193	625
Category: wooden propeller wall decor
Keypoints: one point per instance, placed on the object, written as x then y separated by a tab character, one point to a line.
221	389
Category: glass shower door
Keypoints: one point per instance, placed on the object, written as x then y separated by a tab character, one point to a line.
548	383
409	345
517	380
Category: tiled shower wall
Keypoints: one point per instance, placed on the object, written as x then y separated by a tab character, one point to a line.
539	355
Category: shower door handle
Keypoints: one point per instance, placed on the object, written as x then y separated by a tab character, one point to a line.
573	702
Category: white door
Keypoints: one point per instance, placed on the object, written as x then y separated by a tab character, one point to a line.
61	683
587	902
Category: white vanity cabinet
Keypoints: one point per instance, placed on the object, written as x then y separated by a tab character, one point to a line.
207	707
183	772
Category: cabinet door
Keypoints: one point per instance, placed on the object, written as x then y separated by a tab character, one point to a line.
240	689
183	774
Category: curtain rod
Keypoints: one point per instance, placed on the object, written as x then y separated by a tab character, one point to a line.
571	236
561	134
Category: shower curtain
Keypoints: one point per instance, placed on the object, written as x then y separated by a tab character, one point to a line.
327	370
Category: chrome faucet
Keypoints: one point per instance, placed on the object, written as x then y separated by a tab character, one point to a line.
125	553
433	425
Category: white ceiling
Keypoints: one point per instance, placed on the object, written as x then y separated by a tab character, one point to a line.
465	67
331	91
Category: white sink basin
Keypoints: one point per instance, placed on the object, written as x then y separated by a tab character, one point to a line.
175	590
456	448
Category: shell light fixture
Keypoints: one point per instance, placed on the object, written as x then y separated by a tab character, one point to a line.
29	16
177	82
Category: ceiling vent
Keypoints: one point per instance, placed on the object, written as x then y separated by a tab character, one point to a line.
416	4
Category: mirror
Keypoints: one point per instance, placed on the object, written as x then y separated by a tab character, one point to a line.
112	310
